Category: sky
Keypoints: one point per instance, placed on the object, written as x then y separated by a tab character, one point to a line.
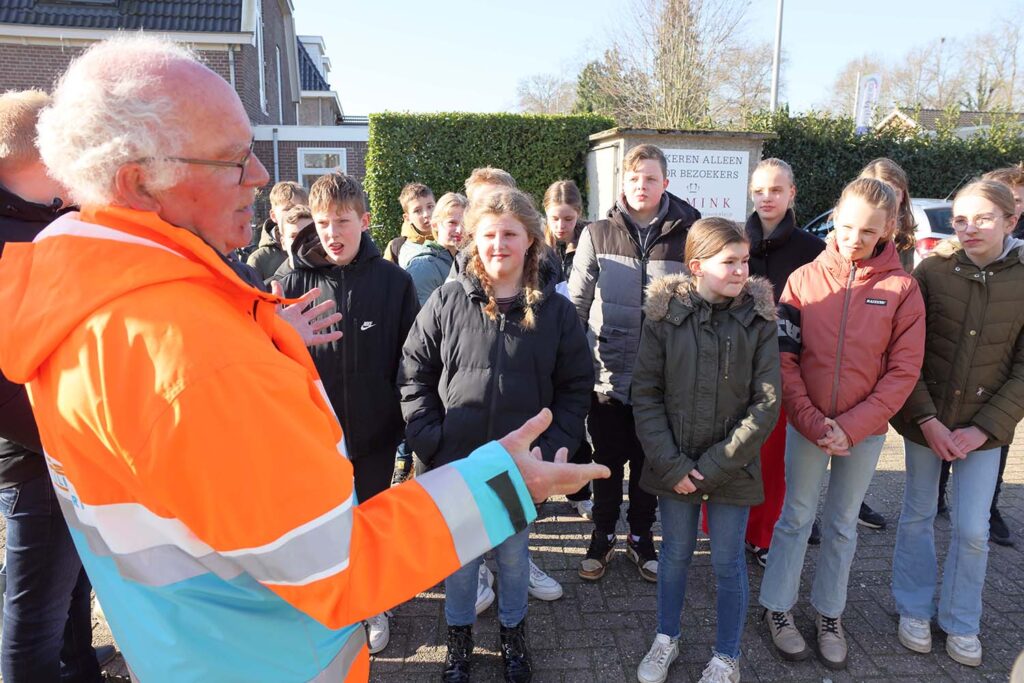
469	55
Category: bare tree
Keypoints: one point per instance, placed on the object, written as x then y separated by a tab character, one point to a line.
661	76
545	94
743	79
992	67
841	97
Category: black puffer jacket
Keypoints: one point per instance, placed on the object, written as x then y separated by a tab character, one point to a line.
20	221
377	301
706	390
777	256
467	379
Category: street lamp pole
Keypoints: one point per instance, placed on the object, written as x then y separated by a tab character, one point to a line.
776	58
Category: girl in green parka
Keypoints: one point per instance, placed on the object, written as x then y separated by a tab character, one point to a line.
705	397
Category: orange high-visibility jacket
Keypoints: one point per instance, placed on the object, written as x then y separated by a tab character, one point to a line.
202	471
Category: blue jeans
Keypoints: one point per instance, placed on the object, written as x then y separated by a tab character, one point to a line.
805	472
513	557
727	525
47	620
914	567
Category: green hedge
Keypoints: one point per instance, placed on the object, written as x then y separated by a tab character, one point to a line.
825	155
441	150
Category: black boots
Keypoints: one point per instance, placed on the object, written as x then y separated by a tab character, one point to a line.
515	654
460	649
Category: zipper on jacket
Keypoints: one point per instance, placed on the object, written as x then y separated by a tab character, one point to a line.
344	365
496	376
842	339
958	397
728	354
693	392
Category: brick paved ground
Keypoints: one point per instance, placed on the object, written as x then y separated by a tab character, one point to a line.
599	632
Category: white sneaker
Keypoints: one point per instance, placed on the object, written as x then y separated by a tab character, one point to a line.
964	649
584	508
654	667
542	586
915	634
380	632
486	576
721	670
484	589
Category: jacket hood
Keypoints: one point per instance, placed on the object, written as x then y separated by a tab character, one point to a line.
308	252
757	296
107	252
268	234
673	209
887	260
433	250
950	247
410	233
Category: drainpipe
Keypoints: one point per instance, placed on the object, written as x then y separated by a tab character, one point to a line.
277	165
231	65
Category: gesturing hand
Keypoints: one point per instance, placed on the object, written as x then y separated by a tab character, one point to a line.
309	323
941	441
546	479
686	484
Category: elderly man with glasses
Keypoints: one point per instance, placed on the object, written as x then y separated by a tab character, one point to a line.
221	548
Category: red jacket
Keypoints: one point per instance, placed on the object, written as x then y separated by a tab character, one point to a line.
851	336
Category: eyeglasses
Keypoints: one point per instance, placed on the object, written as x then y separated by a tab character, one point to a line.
982	221
241	164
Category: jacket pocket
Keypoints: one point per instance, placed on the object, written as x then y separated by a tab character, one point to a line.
611	347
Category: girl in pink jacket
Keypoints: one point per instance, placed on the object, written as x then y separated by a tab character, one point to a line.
851	338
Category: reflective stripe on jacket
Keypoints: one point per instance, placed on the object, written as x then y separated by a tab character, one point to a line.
222	548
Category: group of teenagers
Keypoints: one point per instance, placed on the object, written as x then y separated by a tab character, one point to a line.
729	366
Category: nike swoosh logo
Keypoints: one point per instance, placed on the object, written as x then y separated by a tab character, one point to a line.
367	325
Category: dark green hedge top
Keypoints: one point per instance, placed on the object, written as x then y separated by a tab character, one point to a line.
441	150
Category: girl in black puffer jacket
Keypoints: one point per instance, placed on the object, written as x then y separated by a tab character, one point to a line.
488	351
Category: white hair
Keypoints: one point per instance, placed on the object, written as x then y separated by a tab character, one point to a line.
112	107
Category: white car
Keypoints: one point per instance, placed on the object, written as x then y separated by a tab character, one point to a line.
933	218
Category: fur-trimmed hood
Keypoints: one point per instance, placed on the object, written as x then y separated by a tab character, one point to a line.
681	287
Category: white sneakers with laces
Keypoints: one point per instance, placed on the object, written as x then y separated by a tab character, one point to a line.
484	589
379	631
542	586
915	634
964	649
655	664
721	669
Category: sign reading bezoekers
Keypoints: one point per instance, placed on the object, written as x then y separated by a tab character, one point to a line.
712	181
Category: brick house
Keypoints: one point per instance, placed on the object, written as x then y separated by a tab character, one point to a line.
281	78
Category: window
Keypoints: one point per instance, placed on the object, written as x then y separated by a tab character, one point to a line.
314	163
261	66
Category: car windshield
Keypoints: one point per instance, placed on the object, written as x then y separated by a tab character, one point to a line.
940	218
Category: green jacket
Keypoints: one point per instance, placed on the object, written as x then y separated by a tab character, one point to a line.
973	372
706	390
